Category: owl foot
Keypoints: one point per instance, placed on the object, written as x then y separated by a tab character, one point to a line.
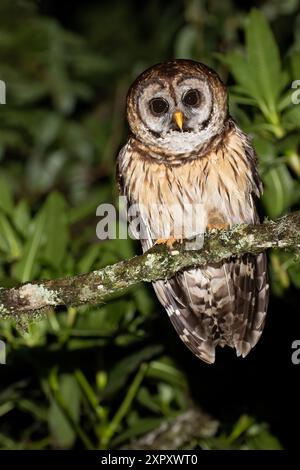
168	241
218	226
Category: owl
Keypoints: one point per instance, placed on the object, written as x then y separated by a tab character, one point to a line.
187	160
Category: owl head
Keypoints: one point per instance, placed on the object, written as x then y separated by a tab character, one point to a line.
177	106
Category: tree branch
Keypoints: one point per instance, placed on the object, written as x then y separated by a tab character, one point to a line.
158	263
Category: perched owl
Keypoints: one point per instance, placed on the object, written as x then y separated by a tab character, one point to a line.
187	159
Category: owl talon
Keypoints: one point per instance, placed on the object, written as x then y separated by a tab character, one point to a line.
218	226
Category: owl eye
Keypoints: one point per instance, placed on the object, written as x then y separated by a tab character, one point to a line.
192	98
158	106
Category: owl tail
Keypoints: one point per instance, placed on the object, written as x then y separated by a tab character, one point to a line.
224	304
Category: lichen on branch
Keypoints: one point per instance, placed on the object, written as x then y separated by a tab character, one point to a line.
159	262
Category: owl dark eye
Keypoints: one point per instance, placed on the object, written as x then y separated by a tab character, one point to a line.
158	106
192	98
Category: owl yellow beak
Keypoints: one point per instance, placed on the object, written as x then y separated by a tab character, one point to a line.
178	118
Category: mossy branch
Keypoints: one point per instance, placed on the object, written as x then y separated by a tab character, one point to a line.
158	263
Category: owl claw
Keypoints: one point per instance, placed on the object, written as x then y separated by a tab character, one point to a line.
218	226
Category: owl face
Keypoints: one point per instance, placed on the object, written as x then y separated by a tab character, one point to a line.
177	106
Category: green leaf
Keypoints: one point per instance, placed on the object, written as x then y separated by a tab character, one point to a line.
295	65
87	261
291	118
144	300
89	207
185	42
6	201
9	241
294	273
30	406
21	217
120	372
35	333
261	440
240	427
56	229
242	74
278	273
140	427
124	407
148	400
259	77
106	320
279	190
163	370
47	130
23	270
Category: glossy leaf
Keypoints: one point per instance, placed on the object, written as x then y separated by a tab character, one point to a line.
278	192
263	60
26	267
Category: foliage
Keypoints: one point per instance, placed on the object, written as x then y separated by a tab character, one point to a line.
97	377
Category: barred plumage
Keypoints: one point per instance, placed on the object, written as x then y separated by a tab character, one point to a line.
212	181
